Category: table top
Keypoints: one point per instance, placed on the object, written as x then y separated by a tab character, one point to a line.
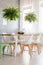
18	34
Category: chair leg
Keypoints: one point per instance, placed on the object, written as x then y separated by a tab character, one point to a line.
11	49
22	47
4	49
7	49
30	50
39	48
32	46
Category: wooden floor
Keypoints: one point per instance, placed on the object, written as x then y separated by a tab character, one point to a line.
22	59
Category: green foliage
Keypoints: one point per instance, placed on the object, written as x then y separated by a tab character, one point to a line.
31	17
11	13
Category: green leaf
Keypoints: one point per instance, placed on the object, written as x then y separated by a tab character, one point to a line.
11	13
31	17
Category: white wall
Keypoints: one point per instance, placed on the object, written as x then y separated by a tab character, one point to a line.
23	5
41	16
36	10
11	26
31	5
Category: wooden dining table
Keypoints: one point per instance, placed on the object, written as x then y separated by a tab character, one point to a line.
19	35
6	34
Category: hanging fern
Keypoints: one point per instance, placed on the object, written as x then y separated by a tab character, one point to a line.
31	17
11	13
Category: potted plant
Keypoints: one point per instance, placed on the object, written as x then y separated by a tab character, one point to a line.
31	17
20	32
11	13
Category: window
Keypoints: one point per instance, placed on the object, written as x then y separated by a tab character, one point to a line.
26	26
41	17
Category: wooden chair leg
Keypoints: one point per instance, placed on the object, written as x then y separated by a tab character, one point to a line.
32	46
30	50
13	48
22	47
39	48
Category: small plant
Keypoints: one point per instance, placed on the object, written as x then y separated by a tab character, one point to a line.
11	13
31	17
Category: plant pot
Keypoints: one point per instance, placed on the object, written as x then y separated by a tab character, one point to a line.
20	32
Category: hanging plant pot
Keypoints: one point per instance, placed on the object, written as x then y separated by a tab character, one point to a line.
20	32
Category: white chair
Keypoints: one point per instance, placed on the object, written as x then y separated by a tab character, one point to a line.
36	42
26	41
16	42
10	42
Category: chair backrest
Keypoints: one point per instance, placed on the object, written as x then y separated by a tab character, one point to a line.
15	37
6	39
37	37
27	38
31	37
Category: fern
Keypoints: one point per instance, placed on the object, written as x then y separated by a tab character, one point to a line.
11	13
31	17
